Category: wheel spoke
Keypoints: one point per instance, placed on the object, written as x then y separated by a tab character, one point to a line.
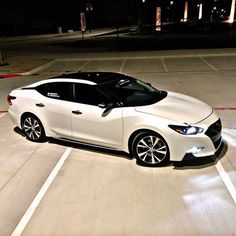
26	128
36	126
155	157
142	146
151	139
31	134
37	133
160	150
144	158
156	141
144	143
143	153
29	120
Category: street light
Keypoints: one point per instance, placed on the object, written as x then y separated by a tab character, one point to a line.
89	9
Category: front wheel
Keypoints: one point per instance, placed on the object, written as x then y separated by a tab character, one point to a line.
33	128
150	149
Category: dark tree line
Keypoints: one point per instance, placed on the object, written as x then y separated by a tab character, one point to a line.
22	17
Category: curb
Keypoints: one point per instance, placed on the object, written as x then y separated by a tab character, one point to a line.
8	76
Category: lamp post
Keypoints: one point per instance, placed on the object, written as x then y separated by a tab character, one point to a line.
89	9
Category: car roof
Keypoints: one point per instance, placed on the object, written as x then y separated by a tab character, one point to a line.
92	78
95	77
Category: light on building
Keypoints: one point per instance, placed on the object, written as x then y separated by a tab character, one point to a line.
158	19
232	12
186	11
200	12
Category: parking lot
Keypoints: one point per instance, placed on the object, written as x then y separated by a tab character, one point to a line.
99	192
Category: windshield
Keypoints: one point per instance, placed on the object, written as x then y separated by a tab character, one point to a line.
132	92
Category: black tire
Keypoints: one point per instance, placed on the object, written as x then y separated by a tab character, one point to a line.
150	149
33	128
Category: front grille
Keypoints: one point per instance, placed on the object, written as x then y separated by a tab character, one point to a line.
214	133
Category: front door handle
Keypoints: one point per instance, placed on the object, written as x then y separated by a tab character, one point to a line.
77	112
40	105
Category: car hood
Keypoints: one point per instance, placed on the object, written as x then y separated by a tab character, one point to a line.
178	107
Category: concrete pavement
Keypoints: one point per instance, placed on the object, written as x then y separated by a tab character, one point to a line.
98	192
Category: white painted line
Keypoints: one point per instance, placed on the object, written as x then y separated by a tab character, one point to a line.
39	68
228	183
85	64
209	64
122	65
2	115
164	64
35	203
136	57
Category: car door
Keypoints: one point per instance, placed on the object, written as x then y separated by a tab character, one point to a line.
55	107
90	123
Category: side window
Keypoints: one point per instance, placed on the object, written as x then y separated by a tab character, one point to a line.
89	94
57	90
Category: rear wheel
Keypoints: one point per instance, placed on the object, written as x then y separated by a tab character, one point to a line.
150	149
33	128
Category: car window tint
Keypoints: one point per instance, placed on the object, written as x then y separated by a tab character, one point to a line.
89	94
57	90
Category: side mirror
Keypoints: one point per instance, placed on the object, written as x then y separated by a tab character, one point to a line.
108	107
102	105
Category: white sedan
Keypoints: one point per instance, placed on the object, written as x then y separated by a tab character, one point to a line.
116	111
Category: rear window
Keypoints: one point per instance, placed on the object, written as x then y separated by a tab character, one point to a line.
57	90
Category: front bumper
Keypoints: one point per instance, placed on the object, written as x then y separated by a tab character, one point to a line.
196	146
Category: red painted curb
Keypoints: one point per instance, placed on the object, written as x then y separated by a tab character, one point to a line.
225	108
14	75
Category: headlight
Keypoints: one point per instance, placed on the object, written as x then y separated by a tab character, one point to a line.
186	130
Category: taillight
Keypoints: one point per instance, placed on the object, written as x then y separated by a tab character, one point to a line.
9	99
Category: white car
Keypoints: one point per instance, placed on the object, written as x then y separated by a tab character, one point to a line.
116	111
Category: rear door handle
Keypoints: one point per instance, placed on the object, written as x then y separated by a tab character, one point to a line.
40	105
77	112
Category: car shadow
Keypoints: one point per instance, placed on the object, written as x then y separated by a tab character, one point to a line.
81	146
87	147
203	162
199	163
19	131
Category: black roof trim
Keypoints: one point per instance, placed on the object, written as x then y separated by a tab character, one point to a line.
96	77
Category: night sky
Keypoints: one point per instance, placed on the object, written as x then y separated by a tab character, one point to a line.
44	16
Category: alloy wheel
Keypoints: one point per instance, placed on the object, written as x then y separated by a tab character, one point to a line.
32	128
151	149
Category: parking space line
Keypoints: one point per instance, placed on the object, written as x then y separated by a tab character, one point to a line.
83	66
164	64
209	64
1	115
228	183
35	203
122	65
